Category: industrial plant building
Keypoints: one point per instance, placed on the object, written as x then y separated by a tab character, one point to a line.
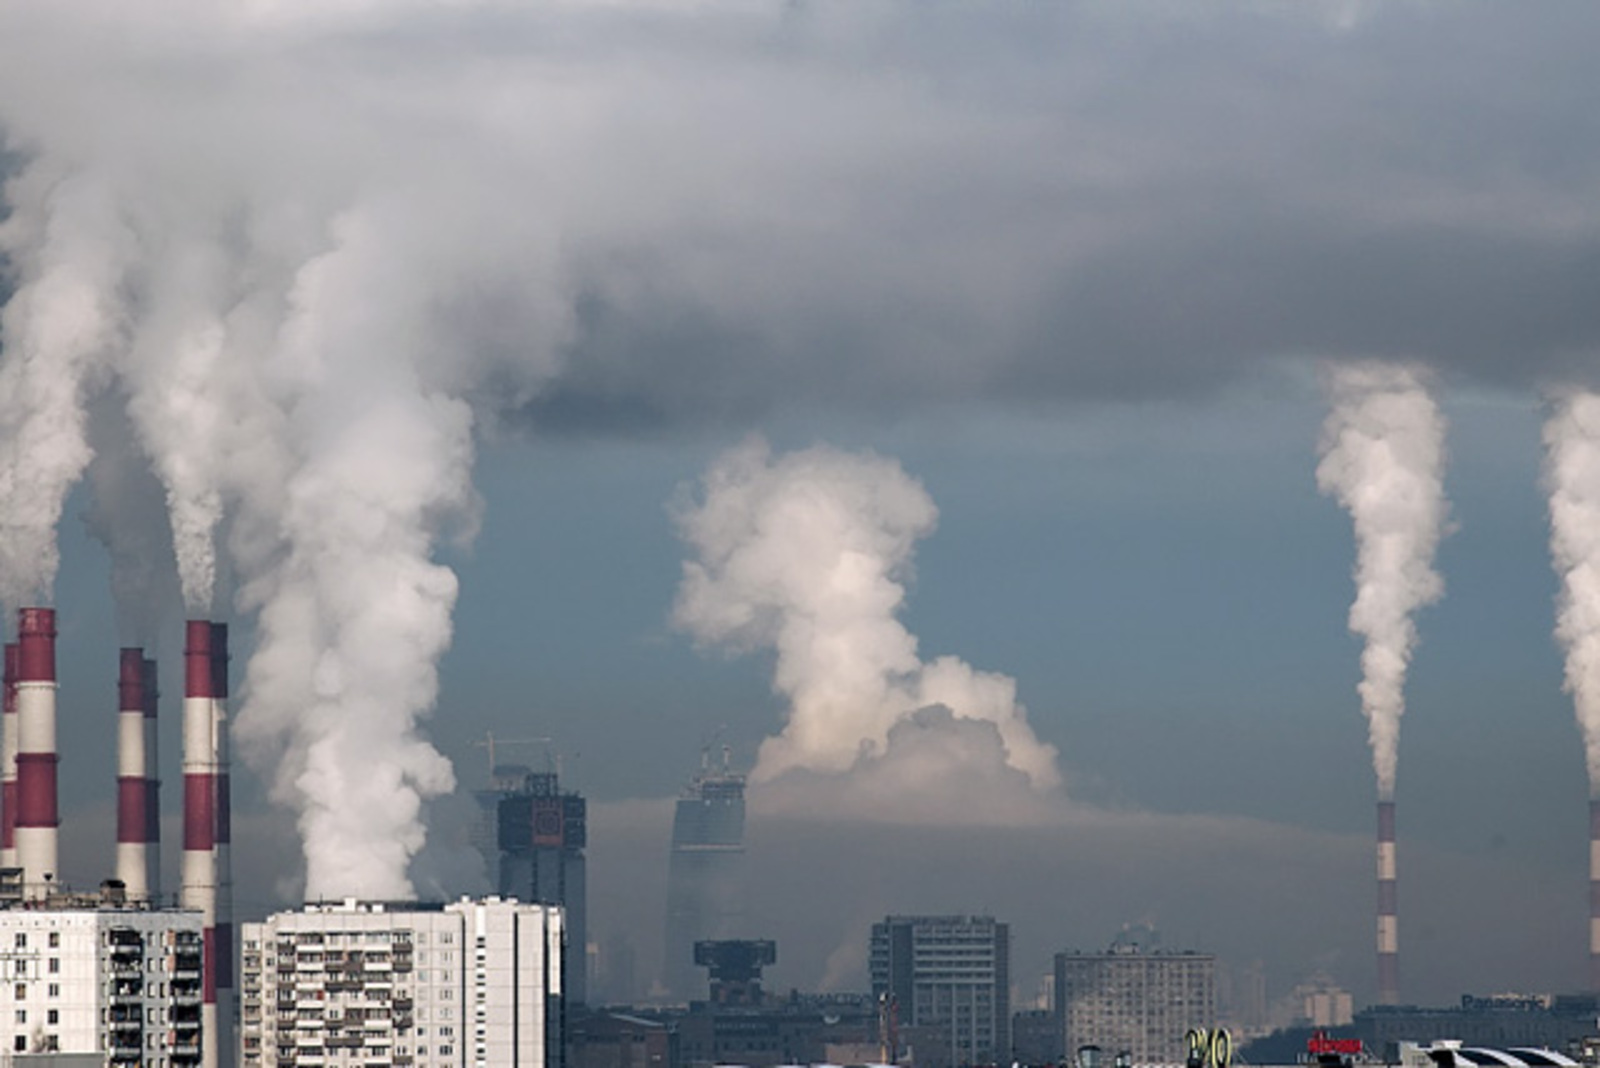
469	983
949	978
1134	1000
705	889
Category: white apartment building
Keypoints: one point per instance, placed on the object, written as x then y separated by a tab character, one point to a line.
363	983
121	983
1134	1002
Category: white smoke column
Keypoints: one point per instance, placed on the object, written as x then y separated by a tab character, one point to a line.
176	373
808	554
1383	457
1572	475
58	334
355	615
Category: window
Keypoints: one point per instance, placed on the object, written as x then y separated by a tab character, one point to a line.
22	1016
54	990
22	991
52	1017
55	939
55	965
22	940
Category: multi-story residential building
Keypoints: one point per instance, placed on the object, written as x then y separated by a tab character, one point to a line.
1127	1000
122	983
469	983
949	976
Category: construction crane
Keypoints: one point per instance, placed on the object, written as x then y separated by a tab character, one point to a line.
490	742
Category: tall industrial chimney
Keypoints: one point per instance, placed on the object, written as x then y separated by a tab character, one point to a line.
199	817
8	762
223	811
1594	895
152	782
138	857
1388	909
36	751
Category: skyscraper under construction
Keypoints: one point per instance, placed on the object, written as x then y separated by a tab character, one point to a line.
542	835
705	877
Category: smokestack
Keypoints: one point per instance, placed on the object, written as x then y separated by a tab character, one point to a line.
223	812
36	751
1594	895
8	762
1388	910
137	855
199	816
152	782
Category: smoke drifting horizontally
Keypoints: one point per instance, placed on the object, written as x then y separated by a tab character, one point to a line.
1572	475
807	554
1383	457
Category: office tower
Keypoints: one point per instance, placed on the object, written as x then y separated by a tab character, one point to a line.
1134	1000
705	889
469	983
949	977
95	977
542	834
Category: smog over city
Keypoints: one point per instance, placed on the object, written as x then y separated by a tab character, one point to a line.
1064	461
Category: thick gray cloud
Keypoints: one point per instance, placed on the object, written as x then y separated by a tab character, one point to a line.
1079	202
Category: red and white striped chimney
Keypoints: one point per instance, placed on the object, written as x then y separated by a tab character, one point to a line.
1594	895
8	761
223	811
199	817
1388	909
138	856
36	751
152	782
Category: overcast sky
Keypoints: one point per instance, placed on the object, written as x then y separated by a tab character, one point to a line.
1076	267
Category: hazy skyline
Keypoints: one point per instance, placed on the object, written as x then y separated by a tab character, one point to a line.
1075	268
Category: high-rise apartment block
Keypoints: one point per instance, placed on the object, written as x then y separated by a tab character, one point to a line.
121	983
469	983
948	976
1131	1001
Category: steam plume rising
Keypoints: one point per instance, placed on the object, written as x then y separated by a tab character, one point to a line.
305	337
1572	473
807	554
58	331
1383	453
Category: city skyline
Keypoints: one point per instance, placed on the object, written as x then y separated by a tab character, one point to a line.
1079	274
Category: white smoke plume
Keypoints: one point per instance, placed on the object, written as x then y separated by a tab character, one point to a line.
308	324
1382	458
69	250
808	554
1572	476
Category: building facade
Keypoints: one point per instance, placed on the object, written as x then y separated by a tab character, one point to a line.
542	833
705	889
948	976
469	983
124	984
1129	1000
